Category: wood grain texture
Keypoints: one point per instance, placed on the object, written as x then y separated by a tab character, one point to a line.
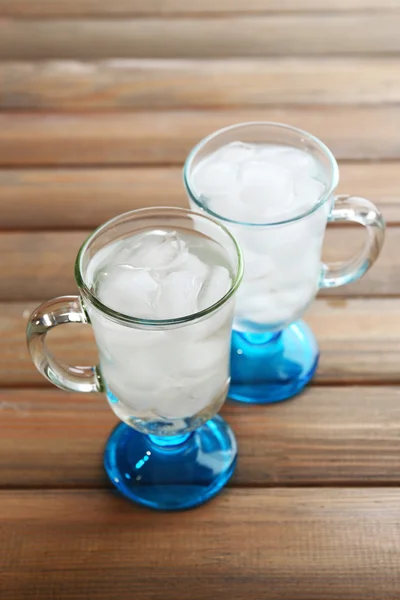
272	544
327	436
42	199
359	342
166	137
358	339
229	36
144	83
41	265
103	8
377	181
84	198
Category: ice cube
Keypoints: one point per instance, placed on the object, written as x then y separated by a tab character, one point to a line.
196	266
183	397
263	241
228	205
257	266
297	297
181	402
204	356
144	368
216	324
307	191
178	295
234	153
215	180
130	291
215	287
293	159
216	185
260	310
256	182
157	249
215	176
266	189
121	337
171	398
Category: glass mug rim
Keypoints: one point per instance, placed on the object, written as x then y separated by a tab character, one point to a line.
334	179
155	323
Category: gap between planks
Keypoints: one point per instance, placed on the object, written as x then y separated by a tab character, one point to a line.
107	486
173	8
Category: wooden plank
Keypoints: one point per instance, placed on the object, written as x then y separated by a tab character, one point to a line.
327	436
41	265
33	199
44	259
359	342
173	84
319	544
378	182
229	36
61	436
102	8
166	137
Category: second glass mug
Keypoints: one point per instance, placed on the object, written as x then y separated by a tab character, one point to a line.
273	354
165	379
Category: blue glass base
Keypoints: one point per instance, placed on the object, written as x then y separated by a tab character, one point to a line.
271	367
171	473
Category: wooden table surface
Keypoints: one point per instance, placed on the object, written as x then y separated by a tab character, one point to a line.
100	103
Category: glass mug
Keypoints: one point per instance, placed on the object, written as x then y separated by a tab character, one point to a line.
165	379
273	354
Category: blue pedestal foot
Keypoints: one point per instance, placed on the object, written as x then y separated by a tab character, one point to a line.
273	366
172	473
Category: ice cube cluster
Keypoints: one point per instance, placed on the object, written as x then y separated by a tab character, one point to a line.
154	276
166	376
259	184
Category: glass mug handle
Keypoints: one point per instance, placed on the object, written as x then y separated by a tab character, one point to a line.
356	210
50	314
